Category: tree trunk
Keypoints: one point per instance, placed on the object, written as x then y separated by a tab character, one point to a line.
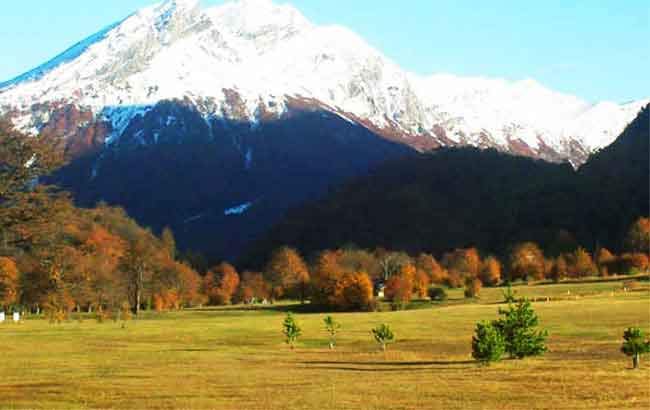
331	345
383	347
138	291
635	360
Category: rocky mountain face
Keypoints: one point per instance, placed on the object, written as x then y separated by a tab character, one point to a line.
248	60
216	120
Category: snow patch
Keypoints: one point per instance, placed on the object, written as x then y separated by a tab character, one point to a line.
238	210
248	159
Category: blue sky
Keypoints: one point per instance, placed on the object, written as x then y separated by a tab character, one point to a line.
595	49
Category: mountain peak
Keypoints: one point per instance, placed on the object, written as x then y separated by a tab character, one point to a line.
260	56
257	16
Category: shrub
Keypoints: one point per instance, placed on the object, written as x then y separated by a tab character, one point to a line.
488	344
437	294
383	335
332	327
635	344
518	328
291	330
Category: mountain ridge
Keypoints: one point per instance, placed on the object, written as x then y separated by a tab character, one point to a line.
267	54
465	197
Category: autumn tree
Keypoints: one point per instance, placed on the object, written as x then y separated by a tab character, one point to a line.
189	285
391	263
326	273
359	260
9	281
580	264
253	287
353	291
338	286
399	288
28	212
169	242
629	262
638	236
221	283
604	261
490	273
527	262
466	262
136	266
288	272
560	269
427	263
421	283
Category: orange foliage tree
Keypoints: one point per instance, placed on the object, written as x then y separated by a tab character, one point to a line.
221	283
287	272
253	287
604	261
490	273
8	281
580	264
399	288
421	283
559	270
527	262
428	264
353	291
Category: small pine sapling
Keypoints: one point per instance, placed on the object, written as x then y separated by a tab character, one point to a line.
635	344
518	327
291	330
488	344
383	335
509	295
332	327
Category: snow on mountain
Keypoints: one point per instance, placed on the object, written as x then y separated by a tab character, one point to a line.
250	58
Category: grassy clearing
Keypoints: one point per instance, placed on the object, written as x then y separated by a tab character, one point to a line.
235	359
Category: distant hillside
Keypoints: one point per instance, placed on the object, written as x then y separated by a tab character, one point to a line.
460	197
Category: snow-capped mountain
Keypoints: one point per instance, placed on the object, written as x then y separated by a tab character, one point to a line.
253	61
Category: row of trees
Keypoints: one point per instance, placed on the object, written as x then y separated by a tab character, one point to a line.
349	279
59	257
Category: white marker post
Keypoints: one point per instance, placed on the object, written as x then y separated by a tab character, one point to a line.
16	317
2	317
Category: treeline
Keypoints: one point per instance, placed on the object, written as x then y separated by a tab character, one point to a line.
463	197
349	279
59	258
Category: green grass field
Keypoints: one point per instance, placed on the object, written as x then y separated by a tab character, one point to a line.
234	358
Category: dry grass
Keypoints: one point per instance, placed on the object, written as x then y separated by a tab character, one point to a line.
232	359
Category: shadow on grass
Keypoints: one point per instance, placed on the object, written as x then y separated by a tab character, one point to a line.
392	366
